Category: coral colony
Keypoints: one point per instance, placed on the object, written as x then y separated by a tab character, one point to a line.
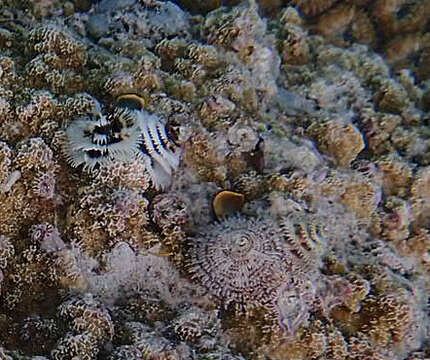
190	181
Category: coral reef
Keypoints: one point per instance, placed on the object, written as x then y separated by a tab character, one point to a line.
245	181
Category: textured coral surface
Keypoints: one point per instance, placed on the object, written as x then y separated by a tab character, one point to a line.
214	180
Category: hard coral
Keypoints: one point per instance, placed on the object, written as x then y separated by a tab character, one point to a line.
313	7
55	40
396	176
102	217
318	341
201	156
5	164
130	174
82	345
126	352
294	46
6	251
242	32
86	315
59	59
343	142
172	213
336	21
40	334
34	285
198	327
23	188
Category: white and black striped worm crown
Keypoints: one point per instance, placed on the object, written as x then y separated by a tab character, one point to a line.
96	140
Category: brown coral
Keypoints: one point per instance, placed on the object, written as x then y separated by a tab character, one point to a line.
21	192
6	251
343	142
396	176
313	7
418	246
52	39
100	218
87	315
413	16
362	198
5	165
317	341
198	327
336	21
387	319
294	45
82	345
200	155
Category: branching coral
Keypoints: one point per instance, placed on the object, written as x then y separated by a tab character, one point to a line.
101	218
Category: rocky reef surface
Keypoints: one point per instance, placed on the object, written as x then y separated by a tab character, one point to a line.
221	181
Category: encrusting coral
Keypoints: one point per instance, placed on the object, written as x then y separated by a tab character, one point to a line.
343	142
249	182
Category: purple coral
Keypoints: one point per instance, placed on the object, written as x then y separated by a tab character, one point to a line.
47	237
44	185
293	303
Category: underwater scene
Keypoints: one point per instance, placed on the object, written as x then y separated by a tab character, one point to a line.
215	180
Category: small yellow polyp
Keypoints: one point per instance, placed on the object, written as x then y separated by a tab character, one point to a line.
226	203
131	101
